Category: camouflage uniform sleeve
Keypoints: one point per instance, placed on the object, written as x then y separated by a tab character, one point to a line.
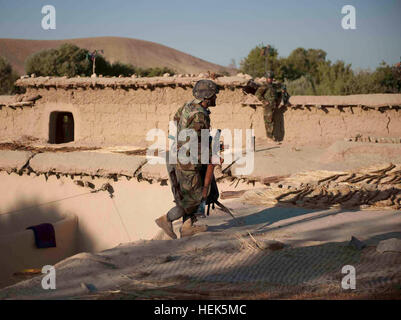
200	121
260	93
270	94
177	115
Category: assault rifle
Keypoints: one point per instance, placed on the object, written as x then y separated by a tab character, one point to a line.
208	179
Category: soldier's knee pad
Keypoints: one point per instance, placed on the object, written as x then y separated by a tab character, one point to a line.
175	213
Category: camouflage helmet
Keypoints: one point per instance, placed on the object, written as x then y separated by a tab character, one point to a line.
270	74
205	89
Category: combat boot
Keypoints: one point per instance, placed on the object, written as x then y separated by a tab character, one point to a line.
188	229
166	226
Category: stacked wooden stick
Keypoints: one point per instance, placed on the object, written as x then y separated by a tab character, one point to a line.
378	188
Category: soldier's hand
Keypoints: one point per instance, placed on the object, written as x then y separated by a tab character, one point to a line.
204	193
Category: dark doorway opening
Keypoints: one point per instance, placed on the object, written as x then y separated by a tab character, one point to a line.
61	127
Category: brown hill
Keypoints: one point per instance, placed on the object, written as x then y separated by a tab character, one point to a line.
139	53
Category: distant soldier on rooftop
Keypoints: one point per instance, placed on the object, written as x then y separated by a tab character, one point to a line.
270	94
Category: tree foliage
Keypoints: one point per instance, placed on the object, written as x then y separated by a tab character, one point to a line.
66	60
153	72
70	60
255	63
7	77
309	72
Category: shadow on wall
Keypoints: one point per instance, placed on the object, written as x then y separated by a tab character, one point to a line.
18	244
28	212
278	120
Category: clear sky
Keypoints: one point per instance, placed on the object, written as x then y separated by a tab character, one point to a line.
219	30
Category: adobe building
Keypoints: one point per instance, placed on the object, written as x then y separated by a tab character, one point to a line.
97	199
120	111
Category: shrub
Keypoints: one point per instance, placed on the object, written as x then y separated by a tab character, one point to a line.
70	60
7	77
67	60
307	72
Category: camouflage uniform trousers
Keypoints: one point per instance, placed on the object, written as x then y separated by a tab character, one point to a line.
191	185
269	122
189	195
269	95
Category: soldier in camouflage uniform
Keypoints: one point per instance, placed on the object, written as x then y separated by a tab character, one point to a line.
270	94
186	179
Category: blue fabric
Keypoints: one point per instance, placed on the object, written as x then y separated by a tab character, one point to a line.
45	236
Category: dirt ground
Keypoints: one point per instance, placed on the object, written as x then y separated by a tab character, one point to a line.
290	239
219	291
302	258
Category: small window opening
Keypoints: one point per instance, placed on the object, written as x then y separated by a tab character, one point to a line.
61	127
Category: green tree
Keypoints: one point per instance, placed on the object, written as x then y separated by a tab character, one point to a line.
70	60
363	82
388	78
153	72
302	62
297	63
254	63
123	69
300	86
66	60
7	77
334	79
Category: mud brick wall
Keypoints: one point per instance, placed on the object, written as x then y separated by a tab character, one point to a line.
120	114
318	126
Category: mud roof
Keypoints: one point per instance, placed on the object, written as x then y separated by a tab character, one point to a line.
230	82
127	82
